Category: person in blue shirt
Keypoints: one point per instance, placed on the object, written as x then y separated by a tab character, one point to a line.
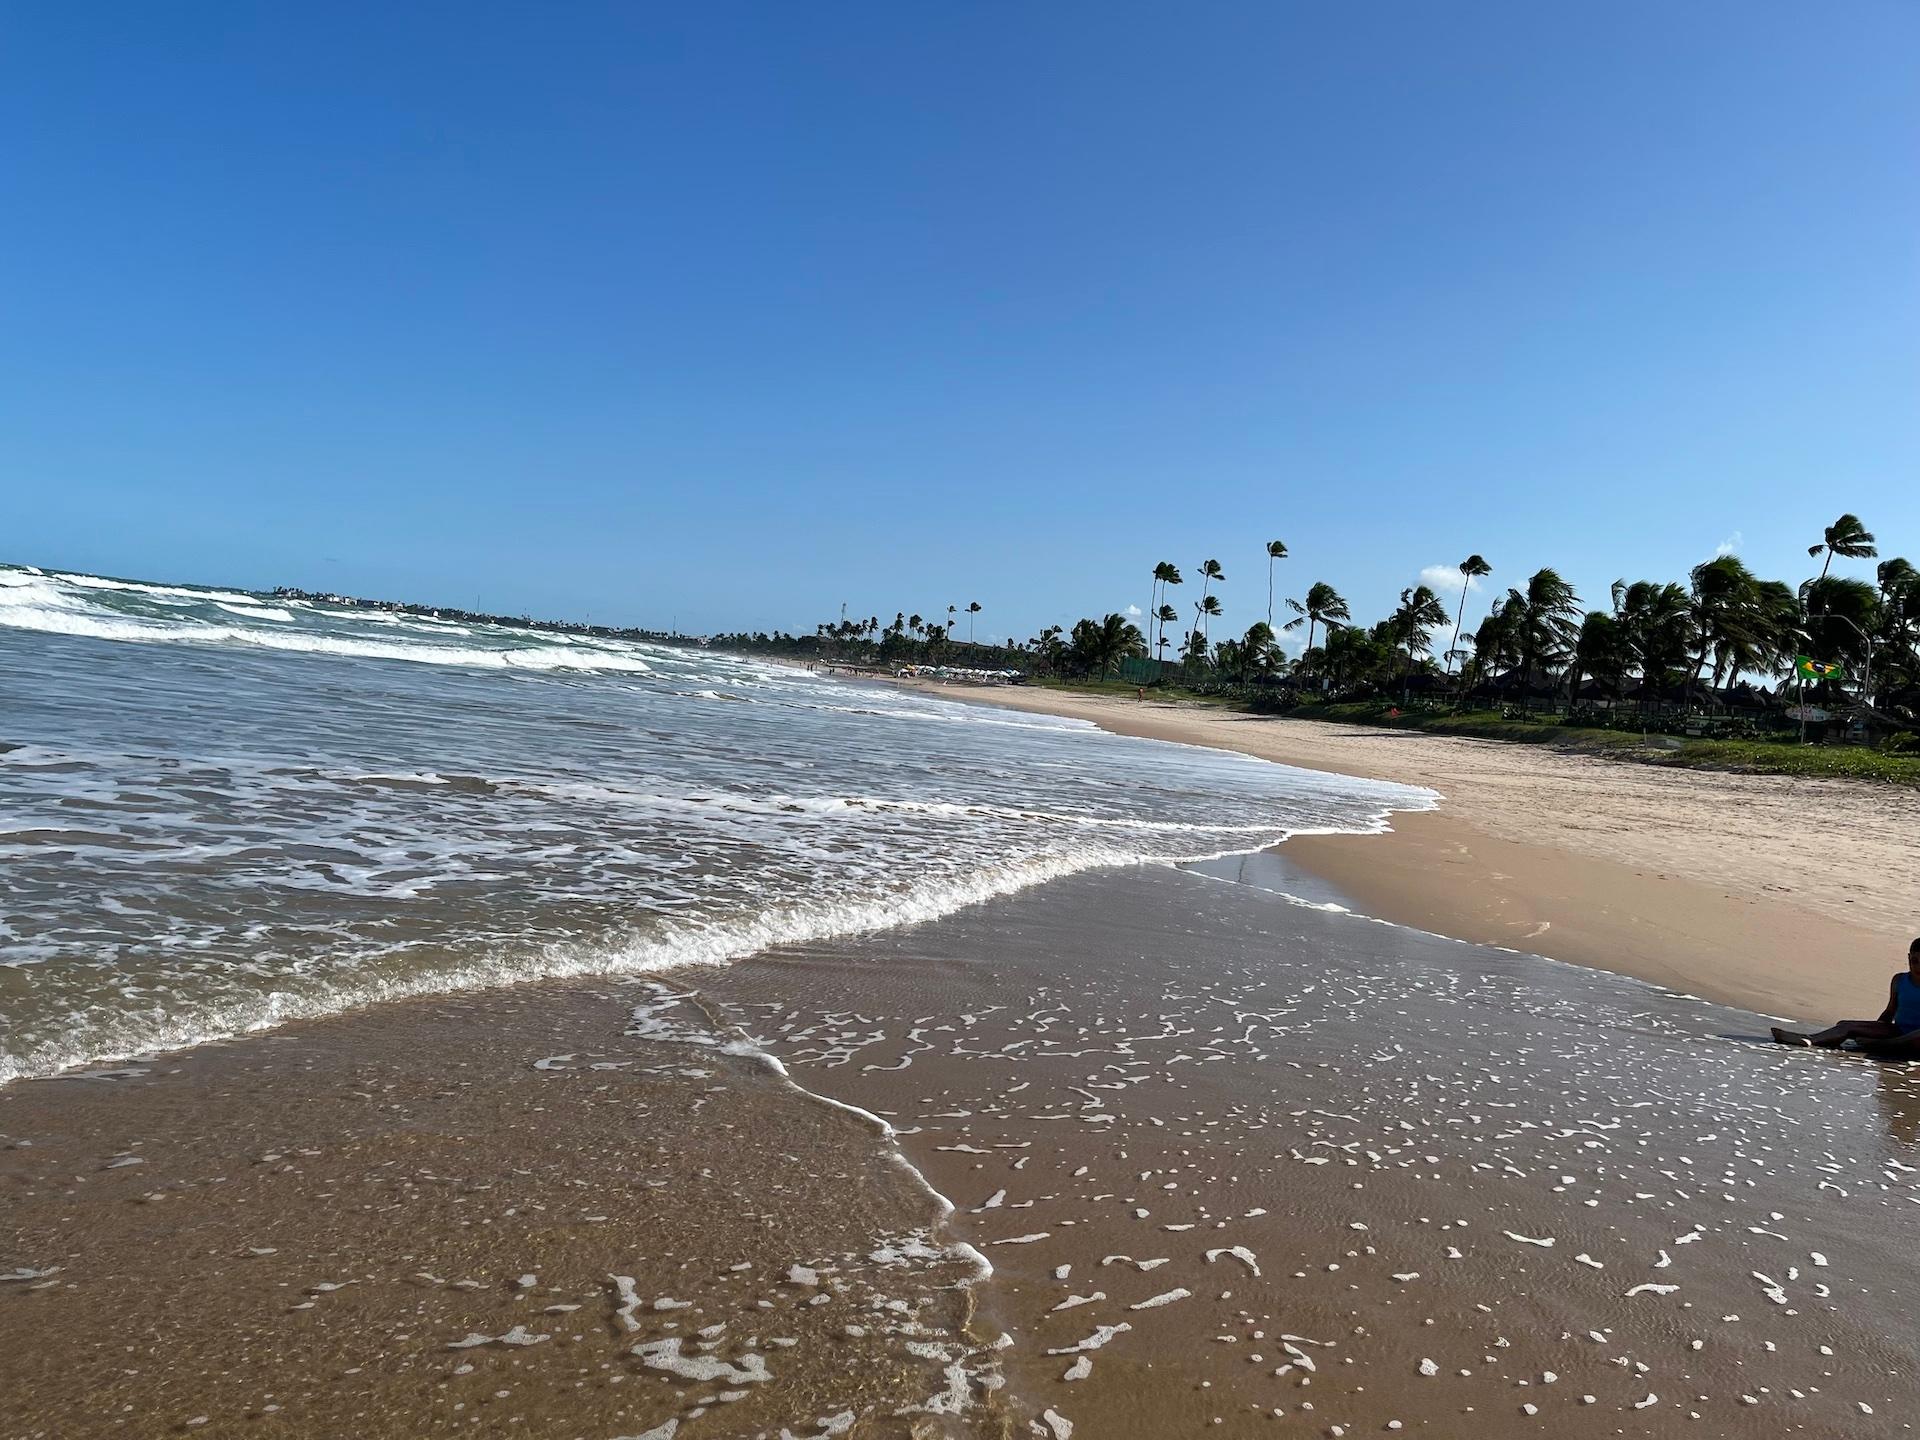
1896	1032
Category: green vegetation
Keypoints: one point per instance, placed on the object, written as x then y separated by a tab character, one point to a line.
1709	664
1782	756
1894	765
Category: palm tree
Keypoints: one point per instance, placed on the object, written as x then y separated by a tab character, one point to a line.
1600	651
1417	614
952	612
1165	573
1105	643
973	609
1048	649
1256	648
1725	605
1323	606
1842	614
1276	550
1656	623
1496	644
1895	575
1210	572
1204	609
1471	569
1899	603
1194	648
1166	616
1230	658
1547	629
1845	536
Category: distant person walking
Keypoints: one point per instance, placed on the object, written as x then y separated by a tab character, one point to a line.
1896	1032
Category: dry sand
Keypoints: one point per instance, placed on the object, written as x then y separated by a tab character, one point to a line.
1784	895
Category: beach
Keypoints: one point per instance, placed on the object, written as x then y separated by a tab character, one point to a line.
1145	1152
1783	894
680	1049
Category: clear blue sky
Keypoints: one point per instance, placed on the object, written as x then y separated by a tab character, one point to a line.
732	312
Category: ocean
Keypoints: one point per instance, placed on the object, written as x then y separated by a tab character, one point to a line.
222	810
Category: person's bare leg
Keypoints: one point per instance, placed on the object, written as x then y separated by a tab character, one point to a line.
1838	1034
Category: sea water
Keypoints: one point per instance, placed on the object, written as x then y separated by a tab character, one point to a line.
220	810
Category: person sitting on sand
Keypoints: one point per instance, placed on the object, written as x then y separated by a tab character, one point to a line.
1896	1032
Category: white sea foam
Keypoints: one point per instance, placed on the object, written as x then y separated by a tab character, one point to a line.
60	605
288	837
679	945
62	620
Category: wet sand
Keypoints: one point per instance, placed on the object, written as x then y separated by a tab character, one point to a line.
462	1217
1241	1166
1787	895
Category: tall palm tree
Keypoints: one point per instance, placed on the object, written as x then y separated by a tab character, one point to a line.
1276	550
1210	571
953	612
1166	616
973	609
1204	609
1409	627
1323	606
1845	536
1471	569
1164	574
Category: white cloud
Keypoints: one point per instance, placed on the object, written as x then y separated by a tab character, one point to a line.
1729	546
1445	579
1133	612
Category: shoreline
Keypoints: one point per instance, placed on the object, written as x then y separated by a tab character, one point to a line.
1134	1150
1779	894
1148	1164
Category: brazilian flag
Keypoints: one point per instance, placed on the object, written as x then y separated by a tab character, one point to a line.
1817	670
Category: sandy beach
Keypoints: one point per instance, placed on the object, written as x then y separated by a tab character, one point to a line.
1149	1150
1164	1154
1787	895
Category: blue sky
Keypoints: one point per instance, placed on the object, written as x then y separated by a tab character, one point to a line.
730	313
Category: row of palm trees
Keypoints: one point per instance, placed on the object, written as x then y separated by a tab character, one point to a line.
1538	638
1722	624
